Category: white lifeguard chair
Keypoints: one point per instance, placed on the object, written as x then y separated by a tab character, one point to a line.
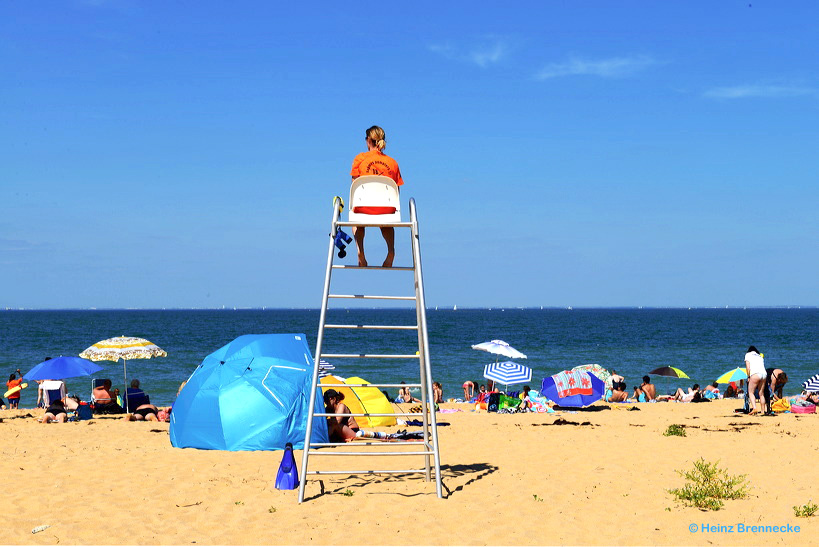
374	199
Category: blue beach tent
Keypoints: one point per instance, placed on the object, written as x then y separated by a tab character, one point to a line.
249	395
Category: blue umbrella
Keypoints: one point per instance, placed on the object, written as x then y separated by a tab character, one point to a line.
573	388
507	373
62	367
251	394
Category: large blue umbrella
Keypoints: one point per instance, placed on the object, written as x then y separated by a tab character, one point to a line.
249	395
573	388
507	373
62	367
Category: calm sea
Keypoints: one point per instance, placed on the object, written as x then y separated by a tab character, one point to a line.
702	342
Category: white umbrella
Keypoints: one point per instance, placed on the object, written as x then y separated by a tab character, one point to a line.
499	347
123	347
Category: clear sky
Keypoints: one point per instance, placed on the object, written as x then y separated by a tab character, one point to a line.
184	154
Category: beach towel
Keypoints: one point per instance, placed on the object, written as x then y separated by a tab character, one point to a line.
781	405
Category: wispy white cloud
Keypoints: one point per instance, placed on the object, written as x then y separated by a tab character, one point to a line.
757	90
613	67
490	51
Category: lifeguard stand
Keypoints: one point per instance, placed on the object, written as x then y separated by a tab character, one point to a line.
374	202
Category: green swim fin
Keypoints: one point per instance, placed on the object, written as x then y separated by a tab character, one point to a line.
288	476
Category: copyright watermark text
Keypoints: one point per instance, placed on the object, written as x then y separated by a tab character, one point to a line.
742	528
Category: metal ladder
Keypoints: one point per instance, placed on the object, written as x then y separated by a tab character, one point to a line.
430	429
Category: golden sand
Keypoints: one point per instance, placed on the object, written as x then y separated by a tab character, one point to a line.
509	480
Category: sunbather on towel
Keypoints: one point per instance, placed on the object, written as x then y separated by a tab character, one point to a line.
146	412
684	397
342	428
55	412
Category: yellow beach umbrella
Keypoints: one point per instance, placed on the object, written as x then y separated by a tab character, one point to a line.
123	347
733	376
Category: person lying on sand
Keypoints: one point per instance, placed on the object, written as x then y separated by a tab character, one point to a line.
147	413
55	412
684	397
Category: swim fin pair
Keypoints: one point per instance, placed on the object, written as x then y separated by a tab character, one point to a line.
288	476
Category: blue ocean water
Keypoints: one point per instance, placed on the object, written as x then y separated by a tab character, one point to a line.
703	342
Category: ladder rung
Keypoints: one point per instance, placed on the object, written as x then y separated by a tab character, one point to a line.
320	453
374	327
372	443
367	356
368	224
370	297
367	472
395	268
369	385
326	415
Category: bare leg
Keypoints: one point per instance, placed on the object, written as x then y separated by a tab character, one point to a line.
358	234
753	384
389	237
61	417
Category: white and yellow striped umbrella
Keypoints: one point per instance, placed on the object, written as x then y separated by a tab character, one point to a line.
123	347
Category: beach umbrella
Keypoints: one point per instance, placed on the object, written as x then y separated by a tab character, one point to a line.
507	373
62	367
597	370
123	347
499	347
670	372
573	388
733	376
812	384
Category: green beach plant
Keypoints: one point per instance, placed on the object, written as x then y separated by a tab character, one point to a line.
347	493
675	430
708	485
807	510
271	510
537	498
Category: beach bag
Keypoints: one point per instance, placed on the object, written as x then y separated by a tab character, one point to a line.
782	405
84	411
508	402
494	402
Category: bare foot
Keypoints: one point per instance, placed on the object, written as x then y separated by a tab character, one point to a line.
388	261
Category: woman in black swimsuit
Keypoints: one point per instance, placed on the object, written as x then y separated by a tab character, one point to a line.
55	412
143	413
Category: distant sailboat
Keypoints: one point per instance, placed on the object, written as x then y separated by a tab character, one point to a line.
455	307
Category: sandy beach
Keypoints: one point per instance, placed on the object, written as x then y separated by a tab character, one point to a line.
602	478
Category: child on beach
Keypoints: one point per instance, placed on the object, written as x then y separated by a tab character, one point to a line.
375	162
14	398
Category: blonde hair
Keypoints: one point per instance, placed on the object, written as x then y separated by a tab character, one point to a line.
377	136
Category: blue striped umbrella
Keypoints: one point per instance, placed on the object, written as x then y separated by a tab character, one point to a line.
507	373
812	384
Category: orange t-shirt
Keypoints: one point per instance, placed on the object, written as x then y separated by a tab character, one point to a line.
12	384
375	162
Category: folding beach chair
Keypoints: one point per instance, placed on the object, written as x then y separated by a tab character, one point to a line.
95	383
374	199
53	390
136	398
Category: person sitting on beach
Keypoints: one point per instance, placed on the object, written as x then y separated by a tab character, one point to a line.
105	401
437	392
525	402
135	396
469	390
639	395
14	398
405	395
617	393
712	391
55	412
375	162
648	388
683	397
146	413
730	391
342	428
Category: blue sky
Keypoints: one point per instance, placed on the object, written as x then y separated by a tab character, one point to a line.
560	153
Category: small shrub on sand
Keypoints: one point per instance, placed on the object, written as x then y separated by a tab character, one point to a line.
807	510
708	485
347	493
675	430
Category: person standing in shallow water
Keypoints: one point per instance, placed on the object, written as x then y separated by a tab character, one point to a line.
375	162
